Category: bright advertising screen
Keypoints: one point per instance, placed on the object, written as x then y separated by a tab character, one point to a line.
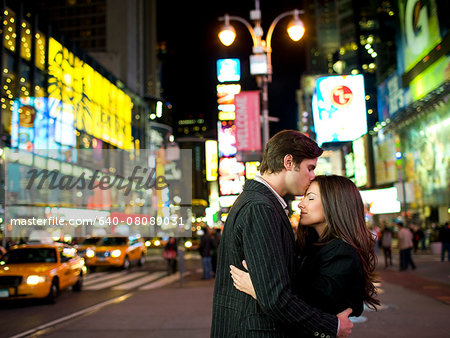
228	70
231	176
40	123
339	108
227	138
381	201
95	104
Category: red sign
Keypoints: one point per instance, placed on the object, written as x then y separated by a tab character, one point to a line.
341	96
248	126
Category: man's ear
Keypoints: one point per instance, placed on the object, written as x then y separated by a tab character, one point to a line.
288	162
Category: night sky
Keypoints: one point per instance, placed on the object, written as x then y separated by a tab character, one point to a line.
189	64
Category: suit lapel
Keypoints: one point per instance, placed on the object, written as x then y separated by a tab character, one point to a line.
261	188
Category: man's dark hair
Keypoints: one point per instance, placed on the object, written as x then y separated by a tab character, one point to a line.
287	142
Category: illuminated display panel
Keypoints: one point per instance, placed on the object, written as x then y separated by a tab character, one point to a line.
420	30
225	100
251	169
39	124
384	157
360	155
227	138
381	201
98	107
228	70
211	160
339	108
231	176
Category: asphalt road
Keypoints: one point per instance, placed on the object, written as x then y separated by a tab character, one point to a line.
414	304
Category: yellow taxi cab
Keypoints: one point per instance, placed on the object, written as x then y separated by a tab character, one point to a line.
117	251
40	271
87	243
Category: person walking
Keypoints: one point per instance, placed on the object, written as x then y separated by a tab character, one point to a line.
258	230
205	250
386	244
418	236
170	254
405	244
216	239
444	236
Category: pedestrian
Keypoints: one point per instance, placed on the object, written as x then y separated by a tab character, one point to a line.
418	237
338	257
376	234
386	244
216	240
258	230
170	254
405	244
444	237
206	246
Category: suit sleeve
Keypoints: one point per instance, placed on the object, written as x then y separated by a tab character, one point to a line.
267	263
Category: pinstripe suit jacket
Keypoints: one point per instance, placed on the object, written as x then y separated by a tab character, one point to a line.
258	231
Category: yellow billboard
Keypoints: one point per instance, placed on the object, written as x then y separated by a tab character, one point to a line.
99	107
211	160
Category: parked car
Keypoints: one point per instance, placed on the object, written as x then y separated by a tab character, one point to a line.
40	271
117	251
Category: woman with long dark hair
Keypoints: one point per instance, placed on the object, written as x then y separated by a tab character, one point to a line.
337	259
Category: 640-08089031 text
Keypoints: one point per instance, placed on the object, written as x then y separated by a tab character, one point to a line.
59	221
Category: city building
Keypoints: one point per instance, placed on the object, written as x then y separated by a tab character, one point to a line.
67	115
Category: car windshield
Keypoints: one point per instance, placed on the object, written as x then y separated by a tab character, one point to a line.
30	255
92	240
113	241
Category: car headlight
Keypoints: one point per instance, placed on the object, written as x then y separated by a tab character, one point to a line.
90	253
116	253
35	279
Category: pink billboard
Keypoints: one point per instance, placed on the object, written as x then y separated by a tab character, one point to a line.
248	126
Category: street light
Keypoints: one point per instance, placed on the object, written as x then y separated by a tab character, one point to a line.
261	59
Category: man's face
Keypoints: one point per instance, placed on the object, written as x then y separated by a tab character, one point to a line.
299	178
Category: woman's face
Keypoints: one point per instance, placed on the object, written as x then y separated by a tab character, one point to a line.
312	209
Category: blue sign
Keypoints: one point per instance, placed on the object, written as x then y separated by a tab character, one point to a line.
228	70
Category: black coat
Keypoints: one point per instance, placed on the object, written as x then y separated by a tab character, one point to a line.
258	230
332	279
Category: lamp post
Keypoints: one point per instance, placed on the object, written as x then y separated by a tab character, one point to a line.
261	59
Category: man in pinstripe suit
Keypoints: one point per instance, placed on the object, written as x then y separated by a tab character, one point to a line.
258	230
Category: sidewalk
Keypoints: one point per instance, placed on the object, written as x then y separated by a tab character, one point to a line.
414	303
410	308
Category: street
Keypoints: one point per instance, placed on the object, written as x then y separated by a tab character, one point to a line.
118	304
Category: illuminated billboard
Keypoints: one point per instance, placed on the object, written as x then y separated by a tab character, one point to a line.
384	157
381	201
360	161
227	138
40	123
225	100
420	30
248	128
422	39
231	176
228	70
98	107
339	108
211	160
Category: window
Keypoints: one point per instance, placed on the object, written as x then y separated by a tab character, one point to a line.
9	25
25	45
